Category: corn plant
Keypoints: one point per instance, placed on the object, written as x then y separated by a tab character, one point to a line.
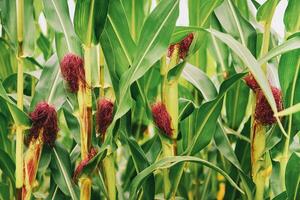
111	99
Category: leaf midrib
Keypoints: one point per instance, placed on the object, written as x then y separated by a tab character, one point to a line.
219	55
62	25
237	23
149	46
53	88
120	40
65	175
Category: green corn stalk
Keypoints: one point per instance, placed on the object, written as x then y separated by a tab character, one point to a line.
19	129
108	161
261	165
169	96
85	113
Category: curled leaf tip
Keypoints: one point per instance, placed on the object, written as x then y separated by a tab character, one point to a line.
44	121
263	111
72	69
104	115
162	118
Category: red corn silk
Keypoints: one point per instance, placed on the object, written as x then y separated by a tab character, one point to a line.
104	115
93	152
44	118
263	110
184	46
162	118
72	69
251	82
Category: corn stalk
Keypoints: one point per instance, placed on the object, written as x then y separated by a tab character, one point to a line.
169	96
108	161
261	166
19	129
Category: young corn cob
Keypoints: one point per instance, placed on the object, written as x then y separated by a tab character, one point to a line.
43	132
104	117
263	116
162	118
73	71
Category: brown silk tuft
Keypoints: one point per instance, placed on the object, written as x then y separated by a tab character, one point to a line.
263	110
44	118
104	115
72	69
184	46
162	118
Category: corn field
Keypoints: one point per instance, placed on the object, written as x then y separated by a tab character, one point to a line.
112	99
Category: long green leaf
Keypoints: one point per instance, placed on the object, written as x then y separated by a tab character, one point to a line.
117	43
266	10
200	80
207	116
50	88
153	43
57	15
169	162
61	172
234	23
291	16
289	45
136	12
19	117
246	56
9	22
89	19
225	148
289	76
292	177
7	166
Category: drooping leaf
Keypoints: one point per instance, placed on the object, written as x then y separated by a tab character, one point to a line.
246	56
169	162
61	172
200	80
